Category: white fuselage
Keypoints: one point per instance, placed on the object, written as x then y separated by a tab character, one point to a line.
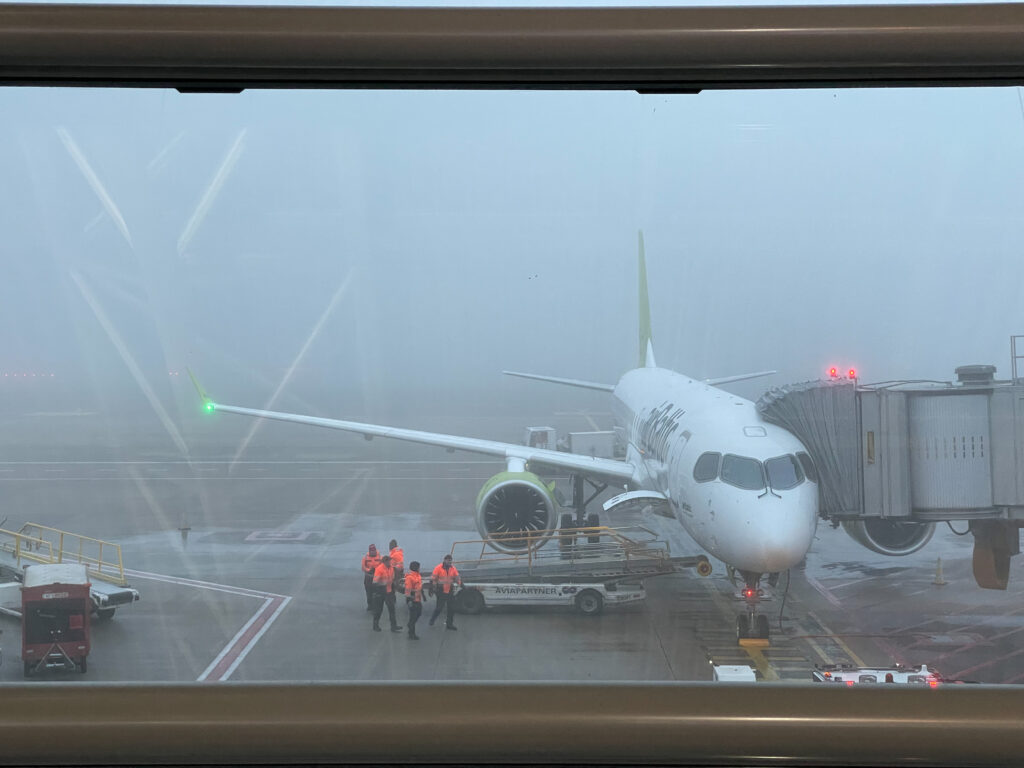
669	421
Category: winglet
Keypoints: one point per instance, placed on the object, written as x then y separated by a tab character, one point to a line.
646	344
208	404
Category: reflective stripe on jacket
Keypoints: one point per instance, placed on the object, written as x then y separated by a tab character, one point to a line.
370	563
384	576
446	578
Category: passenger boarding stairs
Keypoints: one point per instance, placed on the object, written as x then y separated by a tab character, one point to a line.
34	543
571	554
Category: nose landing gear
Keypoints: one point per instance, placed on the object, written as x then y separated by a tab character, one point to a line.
750	624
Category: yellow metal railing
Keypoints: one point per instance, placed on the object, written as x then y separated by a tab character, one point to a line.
564	546
42	544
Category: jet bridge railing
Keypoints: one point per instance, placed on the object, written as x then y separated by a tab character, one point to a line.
568	548
36	543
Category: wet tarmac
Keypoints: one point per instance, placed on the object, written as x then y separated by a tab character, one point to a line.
249	571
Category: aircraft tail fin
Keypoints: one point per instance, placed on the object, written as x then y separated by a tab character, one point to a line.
646	343
568	382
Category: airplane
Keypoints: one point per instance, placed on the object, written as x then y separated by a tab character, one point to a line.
745	490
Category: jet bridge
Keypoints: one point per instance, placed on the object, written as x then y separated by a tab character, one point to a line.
895	458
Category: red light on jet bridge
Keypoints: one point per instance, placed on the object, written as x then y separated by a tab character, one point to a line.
833	372
851	374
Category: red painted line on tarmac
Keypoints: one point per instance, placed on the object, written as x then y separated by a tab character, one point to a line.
245	640
989	663
982	641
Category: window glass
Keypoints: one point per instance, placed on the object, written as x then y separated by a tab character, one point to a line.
808	466
742	472
379	258
784	473
706	467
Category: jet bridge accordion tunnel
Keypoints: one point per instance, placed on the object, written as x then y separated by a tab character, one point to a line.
896	458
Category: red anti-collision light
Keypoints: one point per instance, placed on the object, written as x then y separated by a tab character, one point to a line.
833	372
852	373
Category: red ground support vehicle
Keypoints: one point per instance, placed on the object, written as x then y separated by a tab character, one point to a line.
55	609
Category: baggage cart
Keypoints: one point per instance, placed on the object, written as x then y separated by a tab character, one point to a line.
55	610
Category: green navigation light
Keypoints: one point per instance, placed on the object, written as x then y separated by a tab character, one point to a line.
209	406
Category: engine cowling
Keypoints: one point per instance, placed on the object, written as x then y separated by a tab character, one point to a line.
889	537
512	504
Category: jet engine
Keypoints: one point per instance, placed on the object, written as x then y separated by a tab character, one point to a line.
890	537
512	504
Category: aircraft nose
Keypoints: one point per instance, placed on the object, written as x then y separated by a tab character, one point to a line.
788	538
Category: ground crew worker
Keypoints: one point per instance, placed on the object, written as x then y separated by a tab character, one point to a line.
384	593
414	597
397	562
370	562
444	579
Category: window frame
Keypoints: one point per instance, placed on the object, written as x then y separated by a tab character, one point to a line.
223	49
718	466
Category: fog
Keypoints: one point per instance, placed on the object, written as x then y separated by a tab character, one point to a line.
384	255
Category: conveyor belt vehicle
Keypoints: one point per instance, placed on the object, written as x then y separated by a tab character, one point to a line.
583	568
39	544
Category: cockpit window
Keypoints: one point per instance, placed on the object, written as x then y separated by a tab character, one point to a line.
706	467
784	472
809	469
742	472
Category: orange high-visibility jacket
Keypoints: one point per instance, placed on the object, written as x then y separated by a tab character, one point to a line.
397	558
446	578
370	563
384	576
414	586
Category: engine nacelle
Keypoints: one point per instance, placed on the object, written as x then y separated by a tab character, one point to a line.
889	537
511	504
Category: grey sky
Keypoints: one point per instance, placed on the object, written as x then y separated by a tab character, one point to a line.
461	233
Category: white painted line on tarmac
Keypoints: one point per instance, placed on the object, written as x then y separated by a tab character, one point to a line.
200	584
823	590
855	581
227	661
235	651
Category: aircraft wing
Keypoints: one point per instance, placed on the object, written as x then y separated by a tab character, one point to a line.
610	469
